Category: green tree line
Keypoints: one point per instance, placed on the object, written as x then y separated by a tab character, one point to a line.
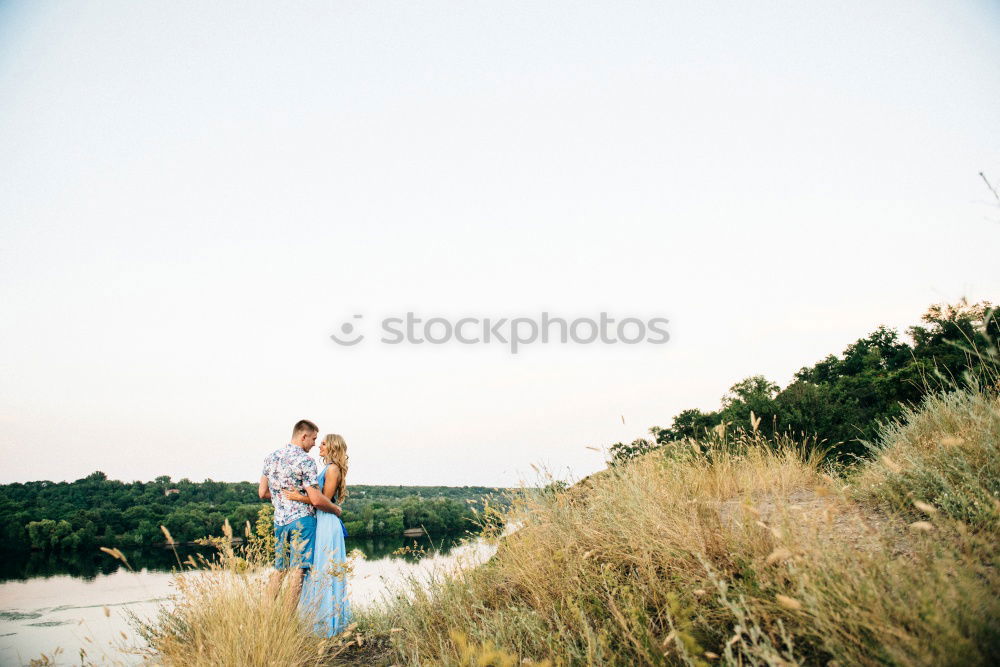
838	403
97	511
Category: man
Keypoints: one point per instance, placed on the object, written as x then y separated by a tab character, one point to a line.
294	523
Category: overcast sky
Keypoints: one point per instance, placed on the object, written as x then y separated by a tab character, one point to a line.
194	196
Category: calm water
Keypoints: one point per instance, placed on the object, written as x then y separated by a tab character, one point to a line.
80	602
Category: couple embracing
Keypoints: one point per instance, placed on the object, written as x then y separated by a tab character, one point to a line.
309	535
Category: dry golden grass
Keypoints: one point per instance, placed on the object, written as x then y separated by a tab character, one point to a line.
221	613
943	457
747	556
224	618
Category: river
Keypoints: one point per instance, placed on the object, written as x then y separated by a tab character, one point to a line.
61	605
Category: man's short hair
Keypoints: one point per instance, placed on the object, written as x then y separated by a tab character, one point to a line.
304	425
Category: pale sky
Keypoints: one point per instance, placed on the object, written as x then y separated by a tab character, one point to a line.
193	196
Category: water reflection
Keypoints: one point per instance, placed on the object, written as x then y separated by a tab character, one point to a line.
90	564
83	600
86	565
409	549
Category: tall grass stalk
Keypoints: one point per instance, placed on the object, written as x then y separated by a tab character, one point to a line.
221	613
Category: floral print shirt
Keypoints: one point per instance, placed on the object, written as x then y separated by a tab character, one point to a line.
289	468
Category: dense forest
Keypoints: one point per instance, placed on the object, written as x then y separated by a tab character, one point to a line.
97	511
837	403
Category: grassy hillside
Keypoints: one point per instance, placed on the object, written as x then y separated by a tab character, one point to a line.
736	551
743	554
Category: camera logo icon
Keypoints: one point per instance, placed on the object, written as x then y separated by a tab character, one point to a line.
347	329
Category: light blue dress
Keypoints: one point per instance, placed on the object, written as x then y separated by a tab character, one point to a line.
324	591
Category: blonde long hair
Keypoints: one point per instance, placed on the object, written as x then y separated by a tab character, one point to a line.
336	454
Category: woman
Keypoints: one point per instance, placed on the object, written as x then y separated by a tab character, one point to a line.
324	592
